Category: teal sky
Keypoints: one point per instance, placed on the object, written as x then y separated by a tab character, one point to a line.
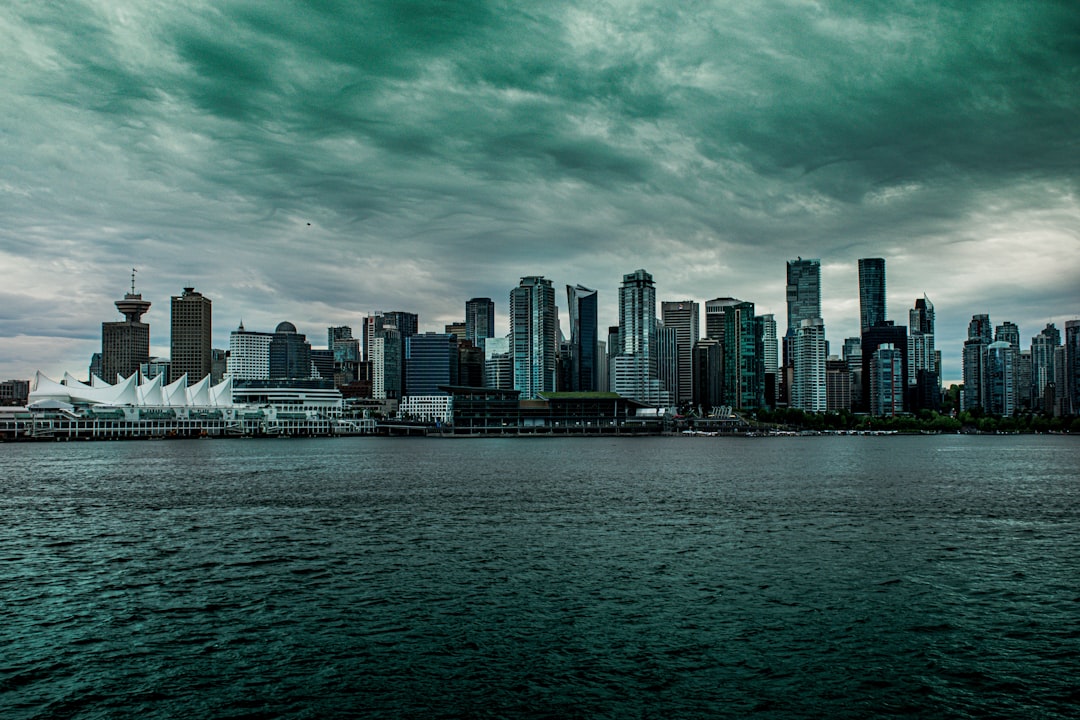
313	161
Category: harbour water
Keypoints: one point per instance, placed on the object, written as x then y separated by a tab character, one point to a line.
844	577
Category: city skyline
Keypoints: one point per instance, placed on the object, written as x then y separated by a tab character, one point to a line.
293	167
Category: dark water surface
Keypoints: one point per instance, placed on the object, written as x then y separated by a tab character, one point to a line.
622	578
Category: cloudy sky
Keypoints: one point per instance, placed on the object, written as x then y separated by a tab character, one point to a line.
313	161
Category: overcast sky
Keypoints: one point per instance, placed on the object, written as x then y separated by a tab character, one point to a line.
314	161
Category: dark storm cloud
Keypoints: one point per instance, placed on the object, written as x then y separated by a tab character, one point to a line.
313	161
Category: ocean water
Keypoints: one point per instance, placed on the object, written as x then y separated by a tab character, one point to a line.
566	578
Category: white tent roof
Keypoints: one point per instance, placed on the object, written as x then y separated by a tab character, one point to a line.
128	392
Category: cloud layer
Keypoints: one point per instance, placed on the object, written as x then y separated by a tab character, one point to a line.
315	161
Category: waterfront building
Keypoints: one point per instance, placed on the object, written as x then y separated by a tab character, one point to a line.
682	316
1043	348
289	354
434	408
14	392
999	378
770	355
190	336
249	354
837	385
923	373
852	355
470	364
708	375
125	345
498	364
635	365
1008	332
1072	366
803	292
1023	379
884	333
667	361
809	391
872	308
479	320
584	359
888	380
431	359
744	371
534	335
387	364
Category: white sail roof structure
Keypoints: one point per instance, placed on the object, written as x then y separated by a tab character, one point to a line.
128	392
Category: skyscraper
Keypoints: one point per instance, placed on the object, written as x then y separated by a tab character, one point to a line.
635	368
125	345
682	316
249	354
744	369
584	342
1043	348
290	354
479	320
803	292
1008	332
887	380
768	340
431	362
871	292
923	374
809	390
999	378
190	336
884	332
1072	366
533	341
979	338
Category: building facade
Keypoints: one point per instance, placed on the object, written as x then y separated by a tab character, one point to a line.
809	391
190	338
479	320
872	309
584	339
683	317
533	336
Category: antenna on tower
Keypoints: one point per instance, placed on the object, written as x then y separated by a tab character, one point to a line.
132	281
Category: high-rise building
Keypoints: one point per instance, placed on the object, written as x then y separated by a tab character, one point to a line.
837	385
431	361
457	329
249	354
808	390
853	357
1008	332
386	355
479	320
125	345
923	374
1072	366
888	380
340	332
884	332
708	374
803	292
768	339
682	317
190	337
1023	379
584	339
290	354
635	365
322	363
533	336
979	337
744	369
498	363
667	360
1043	346
872	308
999	378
